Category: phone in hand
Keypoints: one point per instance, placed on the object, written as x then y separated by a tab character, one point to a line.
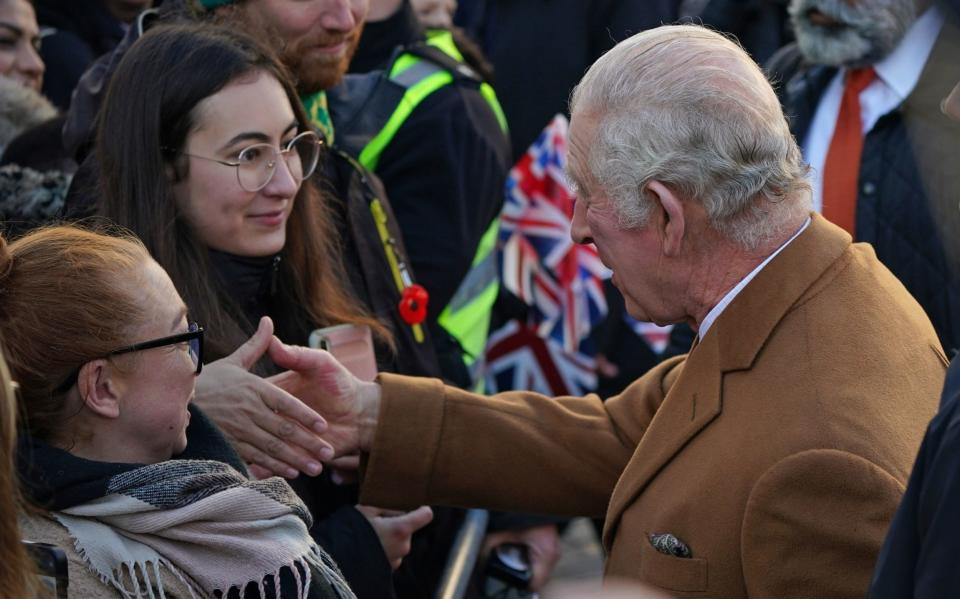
351	345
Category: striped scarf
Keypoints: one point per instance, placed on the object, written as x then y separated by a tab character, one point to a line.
207	524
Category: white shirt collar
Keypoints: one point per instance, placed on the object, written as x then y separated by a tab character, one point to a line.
901	68
715	312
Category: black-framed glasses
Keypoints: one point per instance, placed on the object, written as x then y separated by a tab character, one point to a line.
193	337
257	164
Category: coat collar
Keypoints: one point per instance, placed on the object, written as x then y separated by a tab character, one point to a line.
732	344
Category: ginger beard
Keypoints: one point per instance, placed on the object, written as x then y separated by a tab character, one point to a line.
320	61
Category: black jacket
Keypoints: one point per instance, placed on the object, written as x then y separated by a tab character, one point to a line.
919	556
444	169
82	31
541	48
909	179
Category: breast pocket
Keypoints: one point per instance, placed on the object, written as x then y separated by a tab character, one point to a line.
673	573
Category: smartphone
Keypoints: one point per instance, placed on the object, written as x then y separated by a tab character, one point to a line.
52	566
351	345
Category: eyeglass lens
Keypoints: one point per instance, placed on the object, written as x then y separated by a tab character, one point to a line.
257	163
194	345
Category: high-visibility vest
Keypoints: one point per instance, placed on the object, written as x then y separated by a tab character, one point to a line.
467	316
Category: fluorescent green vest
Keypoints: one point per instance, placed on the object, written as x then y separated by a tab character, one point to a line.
467	316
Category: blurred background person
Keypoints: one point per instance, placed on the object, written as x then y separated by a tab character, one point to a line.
862	86
539	50
33	177
76	33
761	26
20	44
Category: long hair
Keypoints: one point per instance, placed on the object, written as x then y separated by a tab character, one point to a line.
17	570
148	112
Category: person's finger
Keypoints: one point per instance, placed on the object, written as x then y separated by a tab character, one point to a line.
253	348
296	357
254	456
283	451
347	462
286	404
258	472
951	104
415	520
293	434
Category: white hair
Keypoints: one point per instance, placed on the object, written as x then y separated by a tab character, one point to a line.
685	106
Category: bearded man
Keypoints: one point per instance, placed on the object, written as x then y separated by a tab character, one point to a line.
862	86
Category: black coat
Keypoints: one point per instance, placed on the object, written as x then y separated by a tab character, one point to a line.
541	48
909	178
919	556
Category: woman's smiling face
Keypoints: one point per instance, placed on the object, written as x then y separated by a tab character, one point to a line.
226	217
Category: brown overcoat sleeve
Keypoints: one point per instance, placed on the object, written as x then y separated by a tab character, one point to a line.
515	451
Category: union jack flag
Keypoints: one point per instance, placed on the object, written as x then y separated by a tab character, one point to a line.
560	281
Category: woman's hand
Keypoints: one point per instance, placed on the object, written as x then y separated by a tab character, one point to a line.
276	433
395	529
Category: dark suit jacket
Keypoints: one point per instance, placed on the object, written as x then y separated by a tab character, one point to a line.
909	180
919	557
778	449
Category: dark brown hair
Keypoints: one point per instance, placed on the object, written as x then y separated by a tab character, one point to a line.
147	114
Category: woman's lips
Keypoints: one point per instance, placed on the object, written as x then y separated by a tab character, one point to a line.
269	219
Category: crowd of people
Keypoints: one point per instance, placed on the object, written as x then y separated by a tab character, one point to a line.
197	194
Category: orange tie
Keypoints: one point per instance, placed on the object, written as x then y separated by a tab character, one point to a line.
841	171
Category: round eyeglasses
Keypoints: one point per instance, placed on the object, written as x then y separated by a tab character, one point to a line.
256	164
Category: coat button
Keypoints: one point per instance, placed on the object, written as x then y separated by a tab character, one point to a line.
869	188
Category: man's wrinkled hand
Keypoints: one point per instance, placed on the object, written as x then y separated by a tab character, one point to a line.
273	431
349	406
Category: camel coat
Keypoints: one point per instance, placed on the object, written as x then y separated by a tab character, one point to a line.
777	450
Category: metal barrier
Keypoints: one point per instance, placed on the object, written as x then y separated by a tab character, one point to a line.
463	555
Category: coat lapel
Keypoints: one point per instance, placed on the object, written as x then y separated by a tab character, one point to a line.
692	402
732	344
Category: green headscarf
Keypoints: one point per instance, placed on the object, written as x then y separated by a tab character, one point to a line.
212	4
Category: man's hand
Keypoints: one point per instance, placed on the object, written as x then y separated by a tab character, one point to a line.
349	406
395	529
272	430
543	544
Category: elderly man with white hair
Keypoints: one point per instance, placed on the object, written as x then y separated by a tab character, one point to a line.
767	462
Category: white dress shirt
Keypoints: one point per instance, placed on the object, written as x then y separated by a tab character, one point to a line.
897	75
715	312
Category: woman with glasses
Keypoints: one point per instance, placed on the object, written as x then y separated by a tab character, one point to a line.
204	149
106	360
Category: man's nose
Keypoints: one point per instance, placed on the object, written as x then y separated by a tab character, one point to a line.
579	230
339	16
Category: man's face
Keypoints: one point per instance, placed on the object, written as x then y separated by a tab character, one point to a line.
320	36
851	33
633	254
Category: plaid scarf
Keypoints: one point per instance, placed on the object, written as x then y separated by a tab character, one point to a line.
206	523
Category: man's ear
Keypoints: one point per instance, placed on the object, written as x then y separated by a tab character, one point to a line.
99	388
673	225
